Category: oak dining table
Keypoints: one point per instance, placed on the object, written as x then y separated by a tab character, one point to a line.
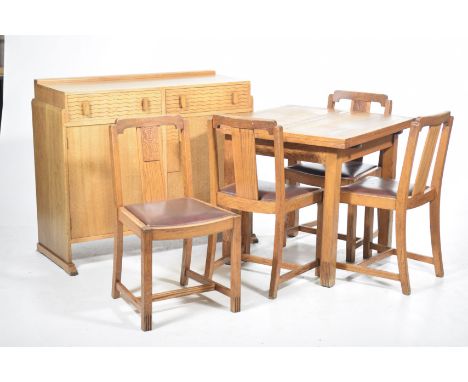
331	138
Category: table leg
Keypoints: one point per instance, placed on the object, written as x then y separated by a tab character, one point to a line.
387	161
246	232
331	203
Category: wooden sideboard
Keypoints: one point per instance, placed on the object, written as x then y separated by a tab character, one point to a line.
71	118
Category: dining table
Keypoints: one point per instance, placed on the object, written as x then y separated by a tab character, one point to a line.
330	137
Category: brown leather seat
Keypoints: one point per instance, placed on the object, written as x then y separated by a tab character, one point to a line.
266	190
176	212
374	185
352	169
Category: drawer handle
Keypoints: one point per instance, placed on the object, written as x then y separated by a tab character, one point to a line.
235	98
85	108
182	102
145	104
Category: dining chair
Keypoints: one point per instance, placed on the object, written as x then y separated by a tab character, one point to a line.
249	195
402	195
313	174
160	218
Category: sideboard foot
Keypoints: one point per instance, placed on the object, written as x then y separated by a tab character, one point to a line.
70	268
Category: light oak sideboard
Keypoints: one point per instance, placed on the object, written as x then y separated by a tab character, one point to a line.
71	119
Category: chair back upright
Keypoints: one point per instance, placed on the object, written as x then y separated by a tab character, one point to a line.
153	134
438	135
243	133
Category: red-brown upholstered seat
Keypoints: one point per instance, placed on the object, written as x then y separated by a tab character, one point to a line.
374	185
176	212
352	169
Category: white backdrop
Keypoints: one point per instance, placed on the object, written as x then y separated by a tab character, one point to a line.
294	53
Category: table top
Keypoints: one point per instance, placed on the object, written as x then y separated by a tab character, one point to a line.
335	129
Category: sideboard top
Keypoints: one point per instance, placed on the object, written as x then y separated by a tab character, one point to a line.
133	82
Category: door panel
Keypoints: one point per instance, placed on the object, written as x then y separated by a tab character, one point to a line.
92	207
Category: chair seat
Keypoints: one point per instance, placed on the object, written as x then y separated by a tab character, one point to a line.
376	186
352	169
267	192
176	212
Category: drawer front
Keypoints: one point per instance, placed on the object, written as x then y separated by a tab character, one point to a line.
102	106
208	99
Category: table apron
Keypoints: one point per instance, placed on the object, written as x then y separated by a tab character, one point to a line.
317	154
359	151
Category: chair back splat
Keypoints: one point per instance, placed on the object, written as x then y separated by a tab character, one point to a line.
163	146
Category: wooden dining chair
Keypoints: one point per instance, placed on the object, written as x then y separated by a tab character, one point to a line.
249	195
159	218
402	195
313	174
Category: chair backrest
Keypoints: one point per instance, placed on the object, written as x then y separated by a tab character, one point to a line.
242	132
438	136
360	102
153	155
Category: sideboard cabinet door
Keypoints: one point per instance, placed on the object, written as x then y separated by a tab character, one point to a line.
90	179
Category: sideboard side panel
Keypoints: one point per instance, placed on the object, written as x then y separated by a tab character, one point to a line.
53	216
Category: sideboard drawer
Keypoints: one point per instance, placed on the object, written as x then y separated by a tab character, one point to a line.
112	105
208	99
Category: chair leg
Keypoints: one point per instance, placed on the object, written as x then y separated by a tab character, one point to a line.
146	280
186	260
277	256
385	224
246	231
118	253
292	220
400	224
227	235
318	237
285	231
210	256
368	232
236	266
351	234
435	237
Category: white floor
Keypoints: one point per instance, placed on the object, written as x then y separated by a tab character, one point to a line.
41	305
